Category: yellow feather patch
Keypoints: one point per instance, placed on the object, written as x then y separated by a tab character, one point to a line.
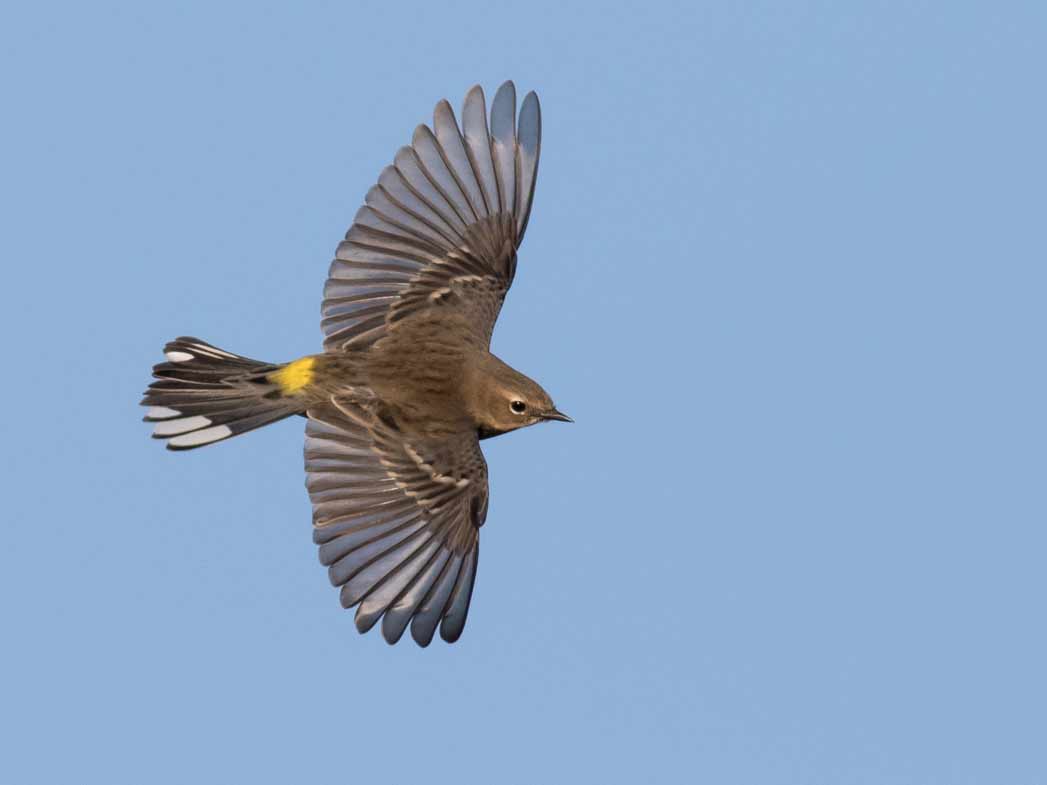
294	377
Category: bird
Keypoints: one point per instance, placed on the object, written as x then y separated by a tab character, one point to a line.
406	386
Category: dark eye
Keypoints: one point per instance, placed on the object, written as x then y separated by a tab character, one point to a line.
518	406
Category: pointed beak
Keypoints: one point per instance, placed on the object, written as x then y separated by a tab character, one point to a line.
554	414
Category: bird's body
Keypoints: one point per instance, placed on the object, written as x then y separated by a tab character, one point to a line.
406	386
426	380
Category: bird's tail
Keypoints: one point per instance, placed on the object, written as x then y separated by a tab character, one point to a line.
204	394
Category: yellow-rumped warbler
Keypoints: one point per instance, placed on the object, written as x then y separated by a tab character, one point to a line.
406	385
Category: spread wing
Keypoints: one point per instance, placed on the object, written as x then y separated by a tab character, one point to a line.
397	521
441	226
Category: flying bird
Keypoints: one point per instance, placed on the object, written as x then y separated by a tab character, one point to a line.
406	385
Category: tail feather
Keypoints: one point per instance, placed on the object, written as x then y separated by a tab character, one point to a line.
204	394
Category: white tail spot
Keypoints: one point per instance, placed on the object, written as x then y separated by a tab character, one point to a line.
206	436
173	427
179	357
161	413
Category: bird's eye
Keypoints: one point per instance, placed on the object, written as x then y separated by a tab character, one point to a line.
519	407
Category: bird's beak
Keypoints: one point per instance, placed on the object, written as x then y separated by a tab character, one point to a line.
553	414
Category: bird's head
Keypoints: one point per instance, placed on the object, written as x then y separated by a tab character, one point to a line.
505	399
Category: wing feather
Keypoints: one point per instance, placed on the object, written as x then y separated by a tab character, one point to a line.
398	616
456	158
427	617
458	605
528	148
478	144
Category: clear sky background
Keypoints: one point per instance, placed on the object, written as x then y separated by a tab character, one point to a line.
786	268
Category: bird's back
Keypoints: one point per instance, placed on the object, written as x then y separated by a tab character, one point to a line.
419	371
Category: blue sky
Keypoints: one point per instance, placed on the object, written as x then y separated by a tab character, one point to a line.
786	269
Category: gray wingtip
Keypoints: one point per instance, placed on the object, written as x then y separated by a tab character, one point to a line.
422	637
506	92
530	120
443	106
532	99
364	621
420	131
450	632
392	636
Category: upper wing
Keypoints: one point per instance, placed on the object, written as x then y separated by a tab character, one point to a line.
442	224
397	521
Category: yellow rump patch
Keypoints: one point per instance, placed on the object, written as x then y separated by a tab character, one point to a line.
294	377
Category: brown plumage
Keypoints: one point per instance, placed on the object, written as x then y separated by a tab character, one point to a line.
406	386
